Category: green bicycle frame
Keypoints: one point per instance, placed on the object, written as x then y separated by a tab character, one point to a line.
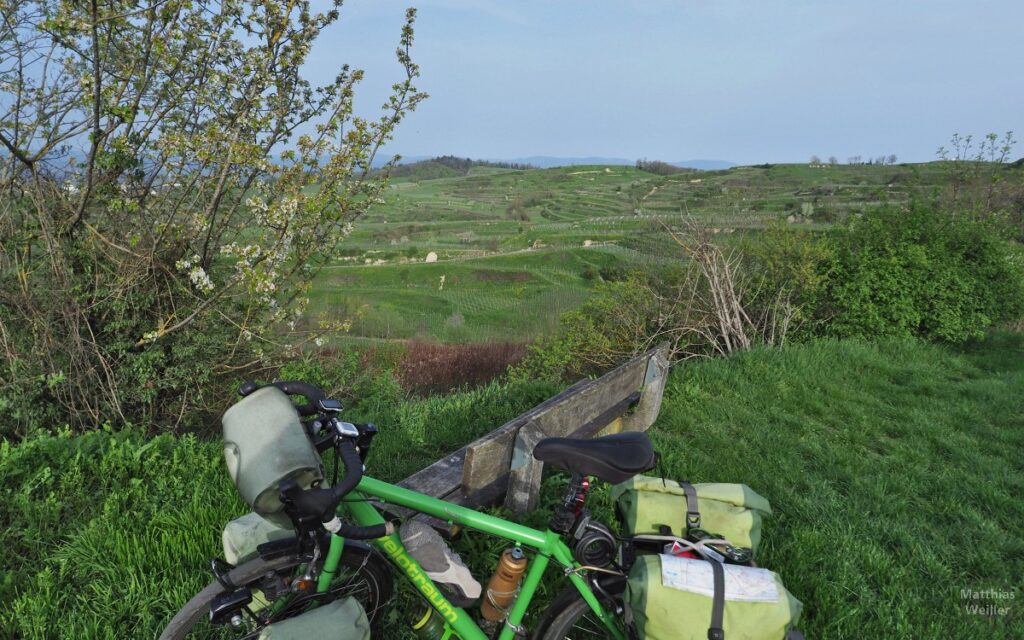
547	544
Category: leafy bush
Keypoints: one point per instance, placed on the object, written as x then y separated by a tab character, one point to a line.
362	379
913	271
621	319
791	264
921	271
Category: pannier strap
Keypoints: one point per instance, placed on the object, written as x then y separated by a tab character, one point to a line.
692	510
715	631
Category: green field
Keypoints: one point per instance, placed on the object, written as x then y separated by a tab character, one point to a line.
505	297
518	247
893	468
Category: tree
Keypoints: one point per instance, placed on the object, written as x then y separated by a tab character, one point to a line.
833	161
815	160
170	186
891	159
853	160
660	167
978	185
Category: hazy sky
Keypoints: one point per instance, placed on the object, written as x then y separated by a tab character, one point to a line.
754	81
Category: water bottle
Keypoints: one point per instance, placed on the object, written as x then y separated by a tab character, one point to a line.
504	585
429	625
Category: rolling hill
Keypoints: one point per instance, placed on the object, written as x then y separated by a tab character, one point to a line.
529	243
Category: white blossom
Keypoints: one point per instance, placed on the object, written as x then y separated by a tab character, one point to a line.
200	279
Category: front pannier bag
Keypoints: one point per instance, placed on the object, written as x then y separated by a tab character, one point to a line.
733	511
243	535
673	598
342	619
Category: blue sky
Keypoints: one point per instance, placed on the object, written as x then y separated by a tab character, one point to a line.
755	81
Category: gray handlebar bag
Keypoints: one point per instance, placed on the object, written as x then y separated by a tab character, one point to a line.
264	445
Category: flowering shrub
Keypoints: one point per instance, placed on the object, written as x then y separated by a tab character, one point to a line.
177	249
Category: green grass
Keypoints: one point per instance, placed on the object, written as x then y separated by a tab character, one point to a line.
893	469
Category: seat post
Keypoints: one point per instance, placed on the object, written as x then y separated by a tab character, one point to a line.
565	514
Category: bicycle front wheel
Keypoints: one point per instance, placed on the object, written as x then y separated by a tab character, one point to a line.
361	574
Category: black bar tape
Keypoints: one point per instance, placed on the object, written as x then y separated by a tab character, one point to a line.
370	532
312	394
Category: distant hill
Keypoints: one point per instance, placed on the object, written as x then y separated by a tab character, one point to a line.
705	165
546	162
448	167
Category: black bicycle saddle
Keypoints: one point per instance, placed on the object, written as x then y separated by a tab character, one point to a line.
613	458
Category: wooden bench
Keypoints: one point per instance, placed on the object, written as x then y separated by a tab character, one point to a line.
500	465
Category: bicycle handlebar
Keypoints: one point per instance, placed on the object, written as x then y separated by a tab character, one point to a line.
323	503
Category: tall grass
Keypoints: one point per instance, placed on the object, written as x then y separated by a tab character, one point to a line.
104	534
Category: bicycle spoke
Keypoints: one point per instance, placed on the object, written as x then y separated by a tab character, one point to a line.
588	626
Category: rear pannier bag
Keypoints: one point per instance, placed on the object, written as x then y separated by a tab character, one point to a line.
733	511
342	619
674	598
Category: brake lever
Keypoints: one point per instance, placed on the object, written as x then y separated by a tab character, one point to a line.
306	503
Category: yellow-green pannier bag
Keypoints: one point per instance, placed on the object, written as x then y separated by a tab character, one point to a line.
674	598
733	511
342	619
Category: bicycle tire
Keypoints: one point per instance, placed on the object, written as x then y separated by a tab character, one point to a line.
358	566
570	617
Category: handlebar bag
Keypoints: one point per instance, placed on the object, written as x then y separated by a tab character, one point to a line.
674	598
342	619
734	511
265	444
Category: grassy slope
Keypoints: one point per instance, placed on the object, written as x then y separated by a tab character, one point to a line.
894	472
